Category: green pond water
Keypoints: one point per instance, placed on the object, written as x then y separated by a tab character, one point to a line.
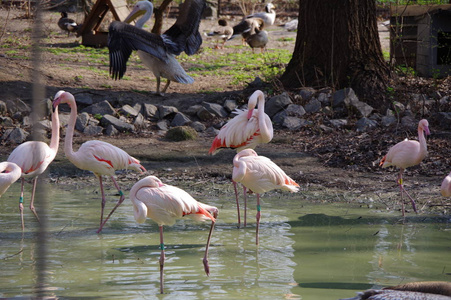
307	251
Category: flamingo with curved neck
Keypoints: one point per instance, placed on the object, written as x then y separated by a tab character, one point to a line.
33	158
406	154
9	173
99	157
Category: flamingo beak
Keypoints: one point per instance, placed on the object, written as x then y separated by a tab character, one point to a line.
426	130
249	113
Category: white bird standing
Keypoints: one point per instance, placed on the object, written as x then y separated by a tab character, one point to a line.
446	186
9	173
165	204
99	157
259	174
268	16
246	130
33	158
156	51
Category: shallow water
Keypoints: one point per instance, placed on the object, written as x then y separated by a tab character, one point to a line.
306	251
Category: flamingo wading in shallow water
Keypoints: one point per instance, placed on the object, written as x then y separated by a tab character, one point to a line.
33	158
165	204
246	130
406	154
99	157
259	174
9	173
445	189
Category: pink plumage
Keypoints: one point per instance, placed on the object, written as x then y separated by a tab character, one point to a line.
247	129
406	154
445	189
33	158
165	204
99	157
260	174
9	173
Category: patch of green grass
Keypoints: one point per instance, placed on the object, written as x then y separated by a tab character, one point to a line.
286	39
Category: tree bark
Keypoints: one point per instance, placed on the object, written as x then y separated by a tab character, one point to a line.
338	45
158	25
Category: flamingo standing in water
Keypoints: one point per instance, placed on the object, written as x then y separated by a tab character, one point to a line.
99	157
446	186
9	173
165	204
33	158
246	130
406	154
260	174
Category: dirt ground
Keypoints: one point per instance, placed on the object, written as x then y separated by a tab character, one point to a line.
318	161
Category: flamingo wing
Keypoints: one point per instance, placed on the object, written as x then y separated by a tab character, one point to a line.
32	157
403	155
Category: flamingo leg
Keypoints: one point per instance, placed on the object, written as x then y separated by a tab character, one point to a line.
119	202
245	205
237	203
162	257
205	261
402	189
102	203
21	204
258	218
35	180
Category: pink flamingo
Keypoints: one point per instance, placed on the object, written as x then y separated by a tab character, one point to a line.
446	186
406	154
9	173
165	204
33	158
246	130
99	157
260	174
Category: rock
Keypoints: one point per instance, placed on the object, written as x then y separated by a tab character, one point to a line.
398	107
324	98
230	105
279	117
365	124
82	121
326	128
84	99
164	111
276	104
149	110
211	131
111	130
204	115
102	108
443	119
364	109
338	123
139	121
118	124
343	97
138	107
198	126
3	108
6	122
292	123
444	100
64	119
93	130
163	125
409	122
18	106
26	122
295	110
128	111
16	135
313	106
388	120
257	83
43	125
194	109
307	93
181	133
180	119
215	109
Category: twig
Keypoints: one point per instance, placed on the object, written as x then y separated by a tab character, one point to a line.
6	257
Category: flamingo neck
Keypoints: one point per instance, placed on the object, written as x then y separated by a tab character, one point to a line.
264	130
55	139
422	140
70	130
146	17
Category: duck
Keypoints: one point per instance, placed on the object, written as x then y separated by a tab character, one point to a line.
248	27
258	40
67	24
157	52
224	32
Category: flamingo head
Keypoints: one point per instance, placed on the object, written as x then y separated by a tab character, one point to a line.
246	152
138	10
424	126
154	181
252	103
63	97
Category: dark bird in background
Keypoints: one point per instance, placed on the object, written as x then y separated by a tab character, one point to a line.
157	52
248	27
67	24
259	39
222	32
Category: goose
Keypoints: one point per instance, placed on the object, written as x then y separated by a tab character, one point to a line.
268	16
223	32
67	24
157	52
247	27
258	40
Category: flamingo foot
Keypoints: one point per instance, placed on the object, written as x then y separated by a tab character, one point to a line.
21	214
206	266
35	213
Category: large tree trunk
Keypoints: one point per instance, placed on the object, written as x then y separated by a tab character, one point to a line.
338	45
158	25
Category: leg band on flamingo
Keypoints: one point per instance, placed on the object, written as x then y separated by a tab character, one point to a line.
21	199
161	246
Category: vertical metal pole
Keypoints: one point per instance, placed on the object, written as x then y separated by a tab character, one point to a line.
41	195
